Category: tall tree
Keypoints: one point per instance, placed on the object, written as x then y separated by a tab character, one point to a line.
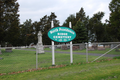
96	27
81	33
44	27
36	27
71	19
106	34
47	26
114	7
84	19
10	25
81	15
1	20
53	17
26	32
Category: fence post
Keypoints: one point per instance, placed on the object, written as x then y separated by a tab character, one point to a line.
36	60
53	48
71	51
86	52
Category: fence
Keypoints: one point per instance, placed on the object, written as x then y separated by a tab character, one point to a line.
24	59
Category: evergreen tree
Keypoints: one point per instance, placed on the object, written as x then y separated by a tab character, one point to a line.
114	7
36	27
71	19
106	36
10	19
81	33
1	20
96	27
53	17
84	19
44	27
81	15
47	26
26	32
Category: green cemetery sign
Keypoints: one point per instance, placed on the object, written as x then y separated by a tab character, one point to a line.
61	34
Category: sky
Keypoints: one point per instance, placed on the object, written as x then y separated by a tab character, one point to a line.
36	9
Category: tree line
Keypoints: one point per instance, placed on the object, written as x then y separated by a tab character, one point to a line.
88	29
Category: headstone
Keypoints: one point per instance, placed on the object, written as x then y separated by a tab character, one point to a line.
39	47
82	46
64	47
8	49
75	48
91	49
101	49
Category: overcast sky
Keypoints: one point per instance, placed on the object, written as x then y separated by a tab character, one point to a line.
36	9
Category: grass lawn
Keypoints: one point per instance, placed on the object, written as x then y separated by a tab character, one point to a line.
19	60
84	51
106	70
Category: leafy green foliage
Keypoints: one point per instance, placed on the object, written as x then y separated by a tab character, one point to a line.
96	27
80	17
9	24
114	23
81	33
29	30
12	32
71	19
26	32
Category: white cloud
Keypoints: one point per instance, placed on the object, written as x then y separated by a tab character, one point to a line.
36	9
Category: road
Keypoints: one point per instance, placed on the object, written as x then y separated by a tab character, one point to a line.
91	54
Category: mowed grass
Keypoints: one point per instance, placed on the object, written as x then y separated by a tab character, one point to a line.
94	51
20	60
106	70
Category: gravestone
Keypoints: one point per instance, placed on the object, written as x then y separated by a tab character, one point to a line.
75	48
8	49
39	47
101	48
82	46
64	47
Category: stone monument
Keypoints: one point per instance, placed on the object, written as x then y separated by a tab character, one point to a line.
39	46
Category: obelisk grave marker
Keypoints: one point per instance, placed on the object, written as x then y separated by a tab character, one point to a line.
39	47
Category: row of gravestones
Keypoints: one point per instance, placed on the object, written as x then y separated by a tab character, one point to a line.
75	47
81	47
92	48
103	48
